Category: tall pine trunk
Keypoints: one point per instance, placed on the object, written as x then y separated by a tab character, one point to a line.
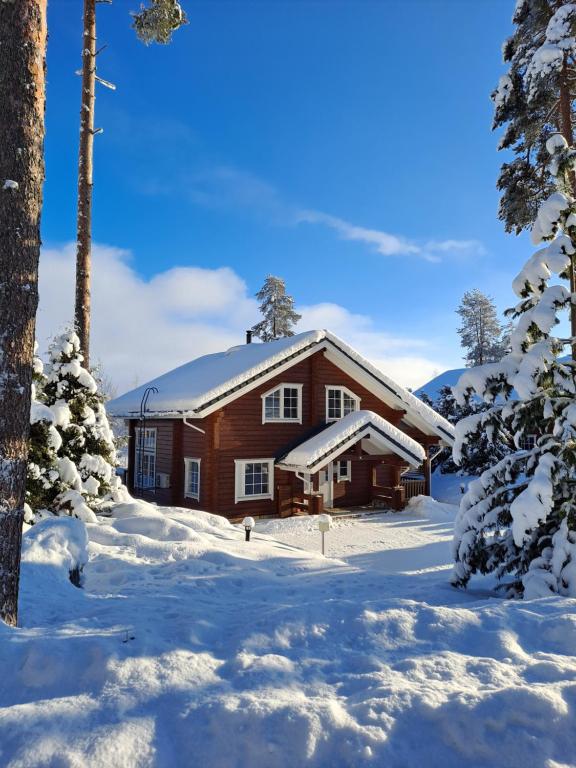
85	161
22	82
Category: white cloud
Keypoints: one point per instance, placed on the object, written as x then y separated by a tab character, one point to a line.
144	327
384	243
229	187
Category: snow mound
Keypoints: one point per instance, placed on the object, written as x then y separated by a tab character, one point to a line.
56	546
432	509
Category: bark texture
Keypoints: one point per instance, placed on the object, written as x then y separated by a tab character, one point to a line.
22	83
85	162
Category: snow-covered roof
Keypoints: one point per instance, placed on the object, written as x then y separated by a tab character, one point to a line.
207	383
317	451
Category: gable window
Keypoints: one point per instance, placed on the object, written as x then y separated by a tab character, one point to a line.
192	479
340	402
145	458
283	404
254	479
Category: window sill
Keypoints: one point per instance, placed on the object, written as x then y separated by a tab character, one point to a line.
259	497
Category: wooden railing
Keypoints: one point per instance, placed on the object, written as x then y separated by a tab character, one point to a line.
413	487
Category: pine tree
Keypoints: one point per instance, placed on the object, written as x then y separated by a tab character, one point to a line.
479	453
278	310
534	100
518	520
525	182
480	331
154	24
87	455
22	94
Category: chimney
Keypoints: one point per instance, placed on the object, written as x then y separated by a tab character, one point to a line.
248	337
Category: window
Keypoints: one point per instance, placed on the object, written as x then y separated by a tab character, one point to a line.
283	404
145	464
343	470
527	442
340	402
254	479
192	479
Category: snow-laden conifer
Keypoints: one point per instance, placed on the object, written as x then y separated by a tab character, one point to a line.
518	519
478	453
87	455
278	310
43	482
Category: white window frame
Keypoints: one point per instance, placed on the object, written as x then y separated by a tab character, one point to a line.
526	440
147	450
343	390
240	476
281	387
188	461
340	477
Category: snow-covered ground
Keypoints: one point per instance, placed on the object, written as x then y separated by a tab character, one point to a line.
190	647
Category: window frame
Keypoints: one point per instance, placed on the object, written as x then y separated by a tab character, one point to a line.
525	441
283	419
240	480
188	461
340	478
343	390
141	452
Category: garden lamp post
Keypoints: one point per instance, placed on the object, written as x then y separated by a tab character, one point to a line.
324	523
248	524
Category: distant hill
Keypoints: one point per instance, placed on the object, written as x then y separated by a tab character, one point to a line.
446	379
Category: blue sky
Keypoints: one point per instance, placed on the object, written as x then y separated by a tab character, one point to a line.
343	145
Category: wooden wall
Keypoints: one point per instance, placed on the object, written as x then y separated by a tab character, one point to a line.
236	431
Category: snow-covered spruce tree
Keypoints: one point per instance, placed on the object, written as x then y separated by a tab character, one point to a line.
480	331
43	482
278	310
518	520
478	454
87	456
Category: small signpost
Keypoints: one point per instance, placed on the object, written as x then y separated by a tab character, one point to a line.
324	523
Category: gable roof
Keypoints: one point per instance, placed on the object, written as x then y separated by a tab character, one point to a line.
314	453
207	383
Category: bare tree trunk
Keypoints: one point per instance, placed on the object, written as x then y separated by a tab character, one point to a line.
565	110
85	159
22	82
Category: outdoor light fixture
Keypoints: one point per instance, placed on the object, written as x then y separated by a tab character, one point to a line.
324	523
248	524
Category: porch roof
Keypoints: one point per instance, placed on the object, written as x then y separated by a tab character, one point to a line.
314	453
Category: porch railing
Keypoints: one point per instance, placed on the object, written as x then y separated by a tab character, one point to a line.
413	487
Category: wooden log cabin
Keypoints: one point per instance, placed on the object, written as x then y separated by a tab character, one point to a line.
299	424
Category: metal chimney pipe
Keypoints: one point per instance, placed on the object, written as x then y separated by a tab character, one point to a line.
248	337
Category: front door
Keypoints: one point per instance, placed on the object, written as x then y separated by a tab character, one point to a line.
326	484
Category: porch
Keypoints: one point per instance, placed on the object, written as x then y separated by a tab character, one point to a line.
359	461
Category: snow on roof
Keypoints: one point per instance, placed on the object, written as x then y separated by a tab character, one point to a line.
191	386
190	389
335	439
